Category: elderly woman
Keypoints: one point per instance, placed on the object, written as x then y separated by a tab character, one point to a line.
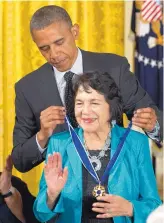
100	172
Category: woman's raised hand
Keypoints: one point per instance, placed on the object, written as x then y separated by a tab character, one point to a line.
55	176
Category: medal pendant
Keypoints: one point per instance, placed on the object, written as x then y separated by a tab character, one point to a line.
98	190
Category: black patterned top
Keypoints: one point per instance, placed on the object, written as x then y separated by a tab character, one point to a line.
88	216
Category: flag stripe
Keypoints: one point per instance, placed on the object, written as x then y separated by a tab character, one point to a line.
154	17
146	10
155	14
146	4
151	11
158	13
158	16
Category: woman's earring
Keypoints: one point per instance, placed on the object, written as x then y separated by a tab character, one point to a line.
113	123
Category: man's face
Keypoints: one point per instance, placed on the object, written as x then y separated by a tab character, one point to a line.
56	43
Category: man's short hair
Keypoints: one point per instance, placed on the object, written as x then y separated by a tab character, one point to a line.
47	15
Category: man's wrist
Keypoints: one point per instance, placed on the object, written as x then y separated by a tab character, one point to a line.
42	140
41	137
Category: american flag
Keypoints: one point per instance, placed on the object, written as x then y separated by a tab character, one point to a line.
151	11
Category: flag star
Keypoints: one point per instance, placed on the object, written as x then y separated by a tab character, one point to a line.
160	64
146	61
140	58
153	63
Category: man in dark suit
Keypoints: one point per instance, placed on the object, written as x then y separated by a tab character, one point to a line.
40	94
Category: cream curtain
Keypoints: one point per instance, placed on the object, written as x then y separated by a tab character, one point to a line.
101	30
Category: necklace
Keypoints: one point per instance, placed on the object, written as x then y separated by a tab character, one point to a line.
96	159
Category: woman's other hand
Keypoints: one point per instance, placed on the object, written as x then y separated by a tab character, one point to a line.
112	206
55	176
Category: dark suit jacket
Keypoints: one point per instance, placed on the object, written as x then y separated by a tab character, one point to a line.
38	90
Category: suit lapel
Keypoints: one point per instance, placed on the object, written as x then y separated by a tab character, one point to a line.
49	86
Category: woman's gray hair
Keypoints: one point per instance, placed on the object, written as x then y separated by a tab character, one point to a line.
47	15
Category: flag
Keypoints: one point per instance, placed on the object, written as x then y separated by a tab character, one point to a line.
151	11
147	27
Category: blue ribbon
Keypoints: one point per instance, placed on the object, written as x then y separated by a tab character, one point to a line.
84	158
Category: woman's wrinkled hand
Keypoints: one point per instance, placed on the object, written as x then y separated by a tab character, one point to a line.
109	206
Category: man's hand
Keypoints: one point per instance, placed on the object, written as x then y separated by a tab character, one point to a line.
5	178
49	119
145	118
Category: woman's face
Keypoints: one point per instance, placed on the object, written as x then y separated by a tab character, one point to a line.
91	110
